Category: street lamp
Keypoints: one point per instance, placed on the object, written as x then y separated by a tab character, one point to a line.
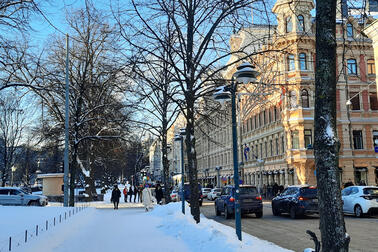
13	169
180	137
244	74
218	168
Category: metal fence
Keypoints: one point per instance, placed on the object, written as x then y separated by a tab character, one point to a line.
17	240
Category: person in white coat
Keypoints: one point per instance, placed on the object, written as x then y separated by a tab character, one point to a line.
147	198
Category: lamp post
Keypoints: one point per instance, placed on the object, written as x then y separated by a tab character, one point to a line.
244	74
218	168
13	169
180	137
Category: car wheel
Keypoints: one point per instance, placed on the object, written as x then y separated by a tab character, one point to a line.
293	214
226	214
275	212
33	203
259	214
358	211
217	212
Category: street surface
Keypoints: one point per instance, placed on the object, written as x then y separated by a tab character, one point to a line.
291	234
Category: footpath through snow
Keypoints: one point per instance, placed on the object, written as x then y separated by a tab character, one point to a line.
97	229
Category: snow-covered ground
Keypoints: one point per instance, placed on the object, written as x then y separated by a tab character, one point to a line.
100	228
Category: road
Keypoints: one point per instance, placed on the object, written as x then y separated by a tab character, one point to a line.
291	234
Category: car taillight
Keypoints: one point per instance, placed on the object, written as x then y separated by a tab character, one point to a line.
367	197
232	199
258	198
302	198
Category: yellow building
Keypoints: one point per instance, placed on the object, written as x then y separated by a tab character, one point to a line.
277	127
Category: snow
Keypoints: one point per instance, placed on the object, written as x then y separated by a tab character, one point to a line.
130	228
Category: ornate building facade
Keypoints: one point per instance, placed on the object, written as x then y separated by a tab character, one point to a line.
277	122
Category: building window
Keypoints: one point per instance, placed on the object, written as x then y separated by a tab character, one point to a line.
290	62
375	138
301	25
277	146
295	139
355	100
373	101
293	99
352	66
271	148
261	119
275	114
357	140
257	151
261	150
283	144
371	66
256	125
349	30
264	114
266	149
304	98
289	25
270	115
302	61
308	138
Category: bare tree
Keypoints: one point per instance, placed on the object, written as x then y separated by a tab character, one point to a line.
97	88
201	30
12	124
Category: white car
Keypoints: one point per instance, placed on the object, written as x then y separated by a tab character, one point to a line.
215	193
18	197
360	200
205	192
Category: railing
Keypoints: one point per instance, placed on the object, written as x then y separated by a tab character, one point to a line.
17	240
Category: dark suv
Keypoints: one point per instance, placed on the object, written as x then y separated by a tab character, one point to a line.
296	200
250	201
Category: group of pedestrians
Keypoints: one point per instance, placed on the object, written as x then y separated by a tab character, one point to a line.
132	191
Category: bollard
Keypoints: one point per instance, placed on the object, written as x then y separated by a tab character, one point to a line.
10	243
65	215
54	221
26	235
60	218
47	225
36	230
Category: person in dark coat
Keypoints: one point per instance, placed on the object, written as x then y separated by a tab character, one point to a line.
135	192
130	192
116	194
158	193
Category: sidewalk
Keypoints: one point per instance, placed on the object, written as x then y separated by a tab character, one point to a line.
132	229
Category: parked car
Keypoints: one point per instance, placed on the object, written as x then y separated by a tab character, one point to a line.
187	192
214	193
205	192
16	196
174	195
360	200
296	200
249	198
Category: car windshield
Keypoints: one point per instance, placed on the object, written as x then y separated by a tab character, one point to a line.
206	190
217	190
308	192
248	190
371	190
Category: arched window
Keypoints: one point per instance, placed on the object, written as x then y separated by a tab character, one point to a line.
289	25
290	62
302	61
371	66
293	99
349	30
304	97
301	25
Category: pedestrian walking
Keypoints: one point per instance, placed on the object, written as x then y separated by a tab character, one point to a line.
135	192
147	198
130	192
158	194
275	189
125	193
116	194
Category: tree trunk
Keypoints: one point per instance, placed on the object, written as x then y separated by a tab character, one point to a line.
73	166
332	226
192	164
165	160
